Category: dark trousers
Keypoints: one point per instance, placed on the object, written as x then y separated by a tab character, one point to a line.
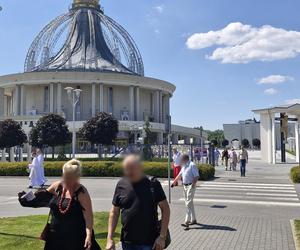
243	168
126	246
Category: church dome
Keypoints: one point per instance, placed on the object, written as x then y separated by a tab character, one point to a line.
84	39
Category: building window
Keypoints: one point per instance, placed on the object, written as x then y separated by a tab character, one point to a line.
110	100
46	99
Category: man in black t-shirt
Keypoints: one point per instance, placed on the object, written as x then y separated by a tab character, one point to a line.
137	198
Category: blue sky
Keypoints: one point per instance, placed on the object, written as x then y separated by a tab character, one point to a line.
217	74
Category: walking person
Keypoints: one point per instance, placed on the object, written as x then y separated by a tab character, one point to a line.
225	158
34	180
233	159
217	156
176	162
190	175
40	167
243	159
71	216
137	198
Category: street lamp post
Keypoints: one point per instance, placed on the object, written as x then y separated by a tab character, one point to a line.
74	97
202	144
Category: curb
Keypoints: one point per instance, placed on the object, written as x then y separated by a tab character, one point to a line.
296	242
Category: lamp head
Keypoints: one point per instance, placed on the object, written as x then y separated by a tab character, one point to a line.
69	90
77	92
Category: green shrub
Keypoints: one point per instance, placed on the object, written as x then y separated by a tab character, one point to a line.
295	174
102	159
99	169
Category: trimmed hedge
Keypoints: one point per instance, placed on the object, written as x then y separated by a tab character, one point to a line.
295	174
99	169
104	159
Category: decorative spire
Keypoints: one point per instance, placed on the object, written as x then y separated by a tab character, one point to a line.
86	3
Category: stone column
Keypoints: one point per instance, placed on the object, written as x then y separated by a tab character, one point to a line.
161	118
156	106
273	140
51	98
59	99
93	99
160	138
101	97
29	152
297	139
137	104
1	101
22	100
12	154
167	104
175	139
266	137
3	158
21	155
16	100
131	103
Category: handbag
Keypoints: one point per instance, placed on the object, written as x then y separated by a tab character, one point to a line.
45	233
168	236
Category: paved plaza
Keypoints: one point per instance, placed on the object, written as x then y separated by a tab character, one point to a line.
233	213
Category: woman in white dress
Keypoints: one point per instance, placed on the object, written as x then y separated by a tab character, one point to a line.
33	174
41	171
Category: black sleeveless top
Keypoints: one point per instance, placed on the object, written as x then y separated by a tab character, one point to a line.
67	232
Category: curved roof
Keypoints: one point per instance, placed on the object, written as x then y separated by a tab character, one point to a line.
84	39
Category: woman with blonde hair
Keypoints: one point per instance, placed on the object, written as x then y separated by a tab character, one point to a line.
71	216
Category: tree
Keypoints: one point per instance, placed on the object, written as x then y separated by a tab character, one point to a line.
216	136
245	143
256	142
225	143
50	130
215	143
101	130
11	134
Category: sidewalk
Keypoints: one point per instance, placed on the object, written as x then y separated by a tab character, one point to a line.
234	213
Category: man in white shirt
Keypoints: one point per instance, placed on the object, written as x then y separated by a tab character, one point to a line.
190	175
176	163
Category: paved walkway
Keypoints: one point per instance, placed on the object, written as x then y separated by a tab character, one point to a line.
235	213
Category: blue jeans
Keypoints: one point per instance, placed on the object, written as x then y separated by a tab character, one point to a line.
243	168
126	246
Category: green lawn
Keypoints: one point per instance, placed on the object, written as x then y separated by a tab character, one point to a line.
297	231
22	232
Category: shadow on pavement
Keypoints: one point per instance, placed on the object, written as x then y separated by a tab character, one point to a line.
200	226
218	206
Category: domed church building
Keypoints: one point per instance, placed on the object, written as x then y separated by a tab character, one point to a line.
87	50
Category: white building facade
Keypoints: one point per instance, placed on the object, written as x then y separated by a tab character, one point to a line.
108	70
269	129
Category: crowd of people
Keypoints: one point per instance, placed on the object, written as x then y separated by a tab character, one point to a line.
230	159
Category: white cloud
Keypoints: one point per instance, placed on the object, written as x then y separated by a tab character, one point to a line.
274	79
292	101
240	43
271	91
160	8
